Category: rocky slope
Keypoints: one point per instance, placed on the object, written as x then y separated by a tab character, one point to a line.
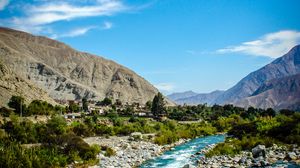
11	84
288	64
69	74
282	93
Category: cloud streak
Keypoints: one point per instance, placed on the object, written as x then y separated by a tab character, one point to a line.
271	45
165	87
3	4
107	25
75	32
39	17
54	12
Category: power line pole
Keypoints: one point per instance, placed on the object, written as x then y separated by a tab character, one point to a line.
21	109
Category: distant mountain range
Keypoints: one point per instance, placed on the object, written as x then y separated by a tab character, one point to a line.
274	85
55	69
196	98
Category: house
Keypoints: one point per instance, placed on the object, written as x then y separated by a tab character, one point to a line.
96	109
72	115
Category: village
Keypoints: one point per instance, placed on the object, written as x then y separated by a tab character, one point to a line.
76	109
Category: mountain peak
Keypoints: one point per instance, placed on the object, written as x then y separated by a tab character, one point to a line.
295	53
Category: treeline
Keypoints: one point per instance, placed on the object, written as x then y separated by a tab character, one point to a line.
210	113
36	107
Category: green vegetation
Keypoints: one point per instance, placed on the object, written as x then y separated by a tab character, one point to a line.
17	103
36	107
158	105
57	144
266	130
85	105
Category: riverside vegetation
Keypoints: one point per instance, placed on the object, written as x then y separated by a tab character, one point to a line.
57	143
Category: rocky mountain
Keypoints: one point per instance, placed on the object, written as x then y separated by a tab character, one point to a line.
274	85
65	73
195	99
281	93
287	65
181	95
11	84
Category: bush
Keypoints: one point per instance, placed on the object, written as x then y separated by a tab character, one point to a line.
5	112
109	152
166	137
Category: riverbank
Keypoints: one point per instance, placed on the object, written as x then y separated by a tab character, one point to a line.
260	156
128	152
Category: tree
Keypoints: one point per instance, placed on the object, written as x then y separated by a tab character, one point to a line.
106	101
158	105
17	103
148	105
118	103
85	105
73	107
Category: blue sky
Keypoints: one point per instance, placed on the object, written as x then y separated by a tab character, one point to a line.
177	45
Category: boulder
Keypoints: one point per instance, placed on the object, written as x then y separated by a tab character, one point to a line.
186	166
291	156
136	135
259	150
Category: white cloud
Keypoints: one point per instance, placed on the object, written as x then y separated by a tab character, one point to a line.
75	32
3	4
165	87
271	45
107	25
38	17
53	12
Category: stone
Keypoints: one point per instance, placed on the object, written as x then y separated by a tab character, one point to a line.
259	150
186	166
243	160
291	156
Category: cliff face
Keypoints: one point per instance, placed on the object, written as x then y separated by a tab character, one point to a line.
11	84
282	93
69	74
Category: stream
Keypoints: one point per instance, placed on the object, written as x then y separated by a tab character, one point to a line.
182	154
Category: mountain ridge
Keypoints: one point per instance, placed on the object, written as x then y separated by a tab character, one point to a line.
244	92
69	74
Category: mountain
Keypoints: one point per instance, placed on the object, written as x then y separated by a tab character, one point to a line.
65	73
287	65
11	84
274	85
281	93
195	99
181	95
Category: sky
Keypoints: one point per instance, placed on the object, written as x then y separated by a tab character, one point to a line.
177	45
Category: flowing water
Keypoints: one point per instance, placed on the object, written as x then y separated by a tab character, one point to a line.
182	154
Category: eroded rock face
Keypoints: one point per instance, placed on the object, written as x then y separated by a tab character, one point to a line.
11	84
282	93
69	74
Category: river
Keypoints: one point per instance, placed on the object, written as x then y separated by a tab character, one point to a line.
182	154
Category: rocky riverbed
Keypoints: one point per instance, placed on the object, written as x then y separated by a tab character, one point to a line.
260	156
130	152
